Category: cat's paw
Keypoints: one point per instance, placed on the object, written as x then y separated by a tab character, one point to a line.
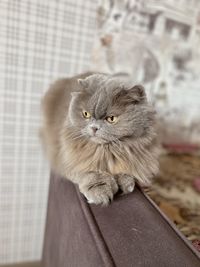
125	182
100	190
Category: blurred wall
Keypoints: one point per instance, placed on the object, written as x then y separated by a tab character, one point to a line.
156	43
40	41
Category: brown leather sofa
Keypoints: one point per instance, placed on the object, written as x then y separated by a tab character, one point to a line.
131	232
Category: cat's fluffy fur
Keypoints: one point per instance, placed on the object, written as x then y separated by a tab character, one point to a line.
117	154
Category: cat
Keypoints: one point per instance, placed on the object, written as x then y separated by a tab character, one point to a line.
100	133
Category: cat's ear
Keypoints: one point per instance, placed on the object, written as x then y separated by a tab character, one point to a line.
83	83
137	93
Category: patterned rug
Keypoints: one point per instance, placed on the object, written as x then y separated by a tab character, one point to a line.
176	191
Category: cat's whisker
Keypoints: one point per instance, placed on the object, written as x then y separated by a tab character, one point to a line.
76	137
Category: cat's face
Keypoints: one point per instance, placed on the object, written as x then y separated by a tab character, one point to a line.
106	111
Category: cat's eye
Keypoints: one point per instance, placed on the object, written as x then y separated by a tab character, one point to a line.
111	119
86	114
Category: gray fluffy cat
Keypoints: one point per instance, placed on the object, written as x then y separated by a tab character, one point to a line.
100	134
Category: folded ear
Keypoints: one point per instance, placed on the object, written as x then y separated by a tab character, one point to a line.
83	82
137	93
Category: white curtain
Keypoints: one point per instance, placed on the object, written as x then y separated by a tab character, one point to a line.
40	42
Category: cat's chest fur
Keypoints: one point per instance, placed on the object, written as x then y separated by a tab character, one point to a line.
86	156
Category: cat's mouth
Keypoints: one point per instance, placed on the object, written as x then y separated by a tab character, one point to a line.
98	140
95	137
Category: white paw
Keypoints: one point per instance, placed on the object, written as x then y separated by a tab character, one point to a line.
125	182
100	190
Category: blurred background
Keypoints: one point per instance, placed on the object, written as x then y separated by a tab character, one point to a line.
156	43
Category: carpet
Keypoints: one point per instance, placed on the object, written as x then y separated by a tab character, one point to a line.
176	190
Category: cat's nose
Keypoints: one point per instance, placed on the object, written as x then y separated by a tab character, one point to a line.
94	129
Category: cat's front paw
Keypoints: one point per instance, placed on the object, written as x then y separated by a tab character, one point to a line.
125	182
100	190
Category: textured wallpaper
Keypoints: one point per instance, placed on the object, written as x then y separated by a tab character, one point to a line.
40	41
156	43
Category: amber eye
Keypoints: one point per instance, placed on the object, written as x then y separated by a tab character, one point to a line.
86	114
111	119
